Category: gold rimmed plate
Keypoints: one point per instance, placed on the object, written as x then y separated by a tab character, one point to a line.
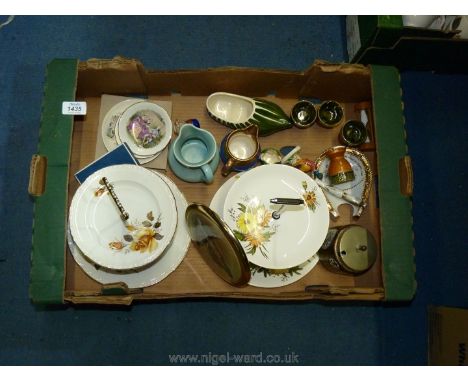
264	277
277	243
99	231
154	272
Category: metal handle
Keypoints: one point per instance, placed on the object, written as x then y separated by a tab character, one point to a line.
288	201
123	214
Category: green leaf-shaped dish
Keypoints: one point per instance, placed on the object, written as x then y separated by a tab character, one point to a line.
238	112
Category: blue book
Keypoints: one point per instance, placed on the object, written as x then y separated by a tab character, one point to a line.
120	155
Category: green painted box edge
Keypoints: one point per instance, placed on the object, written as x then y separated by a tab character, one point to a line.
47	277
395	209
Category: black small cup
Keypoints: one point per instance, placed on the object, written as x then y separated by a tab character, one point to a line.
330	114
303	114
353	133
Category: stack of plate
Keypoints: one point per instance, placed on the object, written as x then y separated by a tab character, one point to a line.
144	126
281	251
145	248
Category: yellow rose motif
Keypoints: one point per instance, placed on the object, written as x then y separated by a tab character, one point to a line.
141	236
144	241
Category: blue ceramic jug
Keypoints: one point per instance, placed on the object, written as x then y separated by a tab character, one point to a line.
194	149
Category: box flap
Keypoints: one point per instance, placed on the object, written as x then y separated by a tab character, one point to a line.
115	76
48	239
326	80
395	208
250	82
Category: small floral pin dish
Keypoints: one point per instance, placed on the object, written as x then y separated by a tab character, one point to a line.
126	221
281	243
145	127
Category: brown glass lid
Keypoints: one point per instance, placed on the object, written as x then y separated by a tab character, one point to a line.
217	244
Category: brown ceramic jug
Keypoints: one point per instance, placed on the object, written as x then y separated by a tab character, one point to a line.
340	170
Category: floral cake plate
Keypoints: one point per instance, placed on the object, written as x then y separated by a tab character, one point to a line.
101	234
299	232
264	277
145	127
156	271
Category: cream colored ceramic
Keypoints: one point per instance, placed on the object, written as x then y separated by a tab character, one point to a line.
98	230
242	146
157	271
241	149
230	108
288	241
263	277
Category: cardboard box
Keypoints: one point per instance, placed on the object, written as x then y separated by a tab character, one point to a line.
68	144
383	40
448	336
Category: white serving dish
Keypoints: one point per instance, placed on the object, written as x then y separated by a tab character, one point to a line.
156	271
101	234
288	241
263	277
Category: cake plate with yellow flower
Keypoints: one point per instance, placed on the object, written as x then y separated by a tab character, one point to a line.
264	277
288	241
98	229
152	273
